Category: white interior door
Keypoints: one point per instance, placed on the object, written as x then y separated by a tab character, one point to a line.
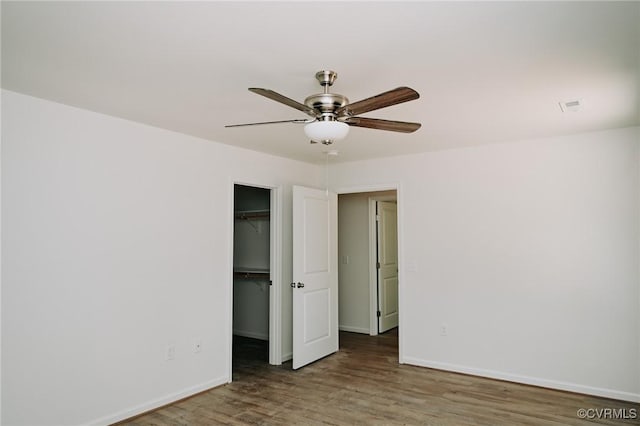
315	286
387	266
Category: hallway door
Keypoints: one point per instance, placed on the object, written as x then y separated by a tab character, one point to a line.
387	224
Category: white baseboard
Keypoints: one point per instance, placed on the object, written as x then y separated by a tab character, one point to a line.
251	334
353	329
286	357
535	381
157	403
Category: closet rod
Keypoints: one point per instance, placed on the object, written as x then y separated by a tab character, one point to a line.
252	275
252	215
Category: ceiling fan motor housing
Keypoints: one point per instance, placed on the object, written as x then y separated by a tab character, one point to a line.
326	103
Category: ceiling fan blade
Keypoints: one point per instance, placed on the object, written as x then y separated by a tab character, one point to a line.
269	122
275	96
378	124
383	100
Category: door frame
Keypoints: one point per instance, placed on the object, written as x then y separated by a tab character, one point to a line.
373	296
373	259
275	271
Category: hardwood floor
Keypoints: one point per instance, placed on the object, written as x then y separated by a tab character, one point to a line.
363	384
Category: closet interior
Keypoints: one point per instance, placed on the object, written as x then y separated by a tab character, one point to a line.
251	282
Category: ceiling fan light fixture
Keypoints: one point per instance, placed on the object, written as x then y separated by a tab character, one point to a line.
326	131
332	114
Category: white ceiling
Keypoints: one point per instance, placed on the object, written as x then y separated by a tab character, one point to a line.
486	72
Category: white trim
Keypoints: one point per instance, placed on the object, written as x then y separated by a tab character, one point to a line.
157	403
287	357
350	329
401	281
275	260
230	228
1	275
535	381
373	272
368	188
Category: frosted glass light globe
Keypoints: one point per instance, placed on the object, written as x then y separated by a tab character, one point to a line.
320	131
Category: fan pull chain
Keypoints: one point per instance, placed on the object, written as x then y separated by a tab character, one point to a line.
327	175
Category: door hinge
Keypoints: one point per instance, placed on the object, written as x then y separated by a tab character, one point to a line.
377	265
377	218
379	314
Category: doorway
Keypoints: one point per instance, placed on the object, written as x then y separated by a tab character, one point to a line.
366	291
384	276
252	275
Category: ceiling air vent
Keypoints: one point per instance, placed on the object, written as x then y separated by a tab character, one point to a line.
571	106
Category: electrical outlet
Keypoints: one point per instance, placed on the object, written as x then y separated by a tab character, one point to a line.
443	329
171	352
197	345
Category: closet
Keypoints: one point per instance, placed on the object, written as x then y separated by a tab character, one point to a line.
251	282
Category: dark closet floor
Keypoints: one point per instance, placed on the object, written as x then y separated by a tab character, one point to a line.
248	354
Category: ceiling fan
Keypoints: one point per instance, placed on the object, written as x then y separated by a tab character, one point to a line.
332	114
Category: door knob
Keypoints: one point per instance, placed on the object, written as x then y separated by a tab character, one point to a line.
300	285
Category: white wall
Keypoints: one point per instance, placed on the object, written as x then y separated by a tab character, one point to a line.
528	252
353	246
117	243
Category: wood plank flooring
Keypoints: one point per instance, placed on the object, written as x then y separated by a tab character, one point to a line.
363	384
